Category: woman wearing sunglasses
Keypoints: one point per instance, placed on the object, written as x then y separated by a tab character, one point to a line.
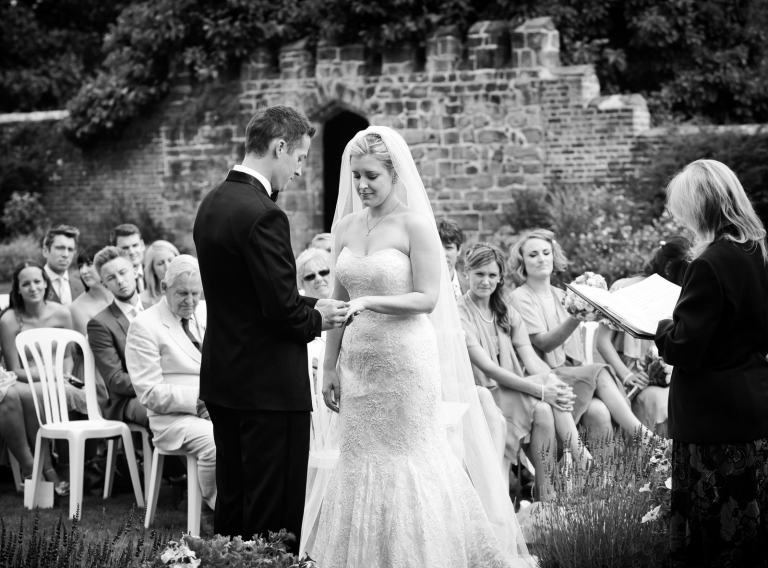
313	273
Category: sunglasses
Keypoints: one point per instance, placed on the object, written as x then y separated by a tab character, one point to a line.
322	273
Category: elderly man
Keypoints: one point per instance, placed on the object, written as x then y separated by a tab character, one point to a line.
163	357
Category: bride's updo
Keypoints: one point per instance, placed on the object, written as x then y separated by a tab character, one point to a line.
372	144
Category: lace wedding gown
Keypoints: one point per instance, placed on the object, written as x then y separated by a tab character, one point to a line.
398	496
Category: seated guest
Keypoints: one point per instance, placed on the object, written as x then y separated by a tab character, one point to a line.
156	260
555	337
96	296
452	238
322	241
313	274
13	423
59	248
625	353
538	405
31	307
107	333
163	356
127	237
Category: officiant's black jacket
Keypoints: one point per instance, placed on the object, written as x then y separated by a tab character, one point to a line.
255	346
718	341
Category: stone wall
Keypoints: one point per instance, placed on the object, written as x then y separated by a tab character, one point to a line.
485	115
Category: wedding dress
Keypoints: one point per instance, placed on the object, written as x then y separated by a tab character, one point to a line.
400	495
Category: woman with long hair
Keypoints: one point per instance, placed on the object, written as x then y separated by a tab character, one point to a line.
156	260
534	258
539	404
717	343
626	353
30	308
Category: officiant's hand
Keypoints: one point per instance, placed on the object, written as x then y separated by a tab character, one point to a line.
334	313
202	411
331	389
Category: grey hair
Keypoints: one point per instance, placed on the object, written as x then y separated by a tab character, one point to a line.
310	255
182	265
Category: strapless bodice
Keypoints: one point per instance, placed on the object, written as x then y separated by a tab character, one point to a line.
383	273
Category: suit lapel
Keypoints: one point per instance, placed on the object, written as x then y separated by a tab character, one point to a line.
177	332
118	314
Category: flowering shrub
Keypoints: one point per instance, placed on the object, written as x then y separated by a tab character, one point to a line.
600	230
234	553
595	515
24	214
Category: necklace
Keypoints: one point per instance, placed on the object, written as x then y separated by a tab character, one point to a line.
379	221
493	315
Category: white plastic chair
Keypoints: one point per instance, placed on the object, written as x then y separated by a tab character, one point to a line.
54	420
589	330
194	495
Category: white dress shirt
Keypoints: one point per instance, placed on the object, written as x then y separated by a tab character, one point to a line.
456	284
130	311
60	283
193	326
251	172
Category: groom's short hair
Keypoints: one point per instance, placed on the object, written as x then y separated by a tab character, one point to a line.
276	122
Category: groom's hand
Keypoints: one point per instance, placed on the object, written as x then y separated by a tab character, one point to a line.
334	313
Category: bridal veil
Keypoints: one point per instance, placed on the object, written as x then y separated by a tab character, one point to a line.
469	433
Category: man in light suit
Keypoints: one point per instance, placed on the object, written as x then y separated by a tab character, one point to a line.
163	358
59	249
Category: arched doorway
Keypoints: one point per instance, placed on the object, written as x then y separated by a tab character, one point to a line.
338	131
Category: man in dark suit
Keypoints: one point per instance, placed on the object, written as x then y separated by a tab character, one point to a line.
254	377
107	332
59	248
452	238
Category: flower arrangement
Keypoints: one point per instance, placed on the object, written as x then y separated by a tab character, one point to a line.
579	308
659	373
660	488
232	553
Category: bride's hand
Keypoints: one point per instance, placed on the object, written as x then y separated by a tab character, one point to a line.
355	307
331	390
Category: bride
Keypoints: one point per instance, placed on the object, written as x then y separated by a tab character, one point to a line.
399	375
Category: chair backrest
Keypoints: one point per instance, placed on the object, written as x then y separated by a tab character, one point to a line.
47	348
589	330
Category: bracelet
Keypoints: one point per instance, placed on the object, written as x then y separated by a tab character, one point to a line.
624	380
542	391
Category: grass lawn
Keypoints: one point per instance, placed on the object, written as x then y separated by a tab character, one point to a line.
114	511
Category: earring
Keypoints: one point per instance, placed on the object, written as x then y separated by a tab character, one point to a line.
394	179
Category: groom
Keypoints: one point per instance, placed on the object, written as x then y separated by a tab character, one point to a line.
254	378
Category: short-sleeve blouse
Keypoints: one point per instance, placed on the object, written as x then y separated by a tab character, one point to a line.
539	320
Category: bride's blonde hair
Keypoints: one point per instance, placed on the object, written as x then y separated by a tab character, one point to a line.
372	144
708	198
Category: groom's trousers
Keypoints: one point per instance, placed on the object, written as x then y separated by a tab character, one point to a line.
261	470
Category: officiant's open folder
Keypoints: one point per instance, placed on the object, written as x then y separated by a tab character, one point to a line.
637	309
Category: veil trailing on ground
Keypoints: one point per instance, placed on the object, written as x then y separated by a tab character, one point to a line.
468	432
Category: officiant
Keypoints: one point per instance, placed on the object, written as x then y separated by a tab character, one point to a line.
717	342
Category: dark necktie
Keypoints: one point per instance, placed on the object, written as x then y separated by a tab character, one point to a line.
273	195
185	326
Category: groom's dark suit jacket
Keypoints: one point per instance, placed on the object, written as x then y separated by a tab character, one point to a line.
255	347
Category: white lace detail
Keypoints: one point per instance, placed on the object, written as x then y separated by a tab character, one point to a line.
398	496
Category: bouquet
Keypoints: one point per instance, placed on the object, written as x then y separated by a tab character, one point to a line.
579	308
659	373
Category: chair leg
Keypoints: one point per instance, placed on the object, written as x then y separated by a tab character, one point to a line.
76	473
130	455
147	448
153	491
109	476
194	497
41	445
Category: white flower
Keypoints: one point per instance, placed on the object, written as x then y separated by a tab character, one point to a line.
651	515
646	488
668	483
